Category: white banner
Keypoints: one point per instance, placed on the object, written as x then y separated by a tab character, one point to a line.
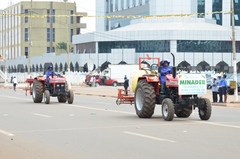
190	84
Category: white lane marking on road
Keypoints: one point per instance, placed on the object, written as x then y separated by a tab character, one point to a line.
149	137
100	127
6	133
218	124
99	109
14	97
42	115
103	103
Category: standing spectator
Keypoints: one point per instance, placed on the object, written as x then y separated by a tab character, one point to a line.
219	88
14	81
214	85
94	81
126	85
223	89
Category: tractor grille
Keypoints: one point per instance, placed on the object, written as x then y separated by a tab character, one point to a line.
60	87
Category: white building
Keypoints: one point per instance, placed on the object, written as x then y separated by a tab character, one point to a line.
200	40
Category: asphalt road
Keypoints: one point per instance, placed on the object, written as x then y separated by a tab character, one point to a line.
96	128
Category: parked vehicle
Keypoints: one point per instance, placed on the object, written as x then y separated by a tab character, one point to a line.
119	71
230	77
100	80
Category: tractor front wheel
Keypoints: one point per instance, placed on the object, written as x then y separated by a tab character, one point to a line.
167	109
184	113
61	99
206	111
145	99
46	97
71	97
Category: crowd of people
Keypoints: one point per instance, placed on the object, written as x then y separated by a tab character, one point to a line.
219	87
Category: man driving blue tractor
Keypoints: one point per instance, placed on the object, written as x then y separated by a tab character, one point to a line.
165	69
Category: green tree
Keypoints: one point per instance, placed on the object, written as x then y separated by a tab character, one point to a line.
61	46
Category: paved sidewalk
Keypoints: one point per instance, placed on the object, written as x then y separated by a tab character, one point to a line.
110	91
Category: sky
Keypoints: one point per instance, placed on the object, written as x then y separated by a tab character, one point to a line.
82	6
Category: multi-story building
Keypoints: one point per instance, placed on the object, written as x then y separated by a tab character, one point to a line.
163	7
198	32
33	29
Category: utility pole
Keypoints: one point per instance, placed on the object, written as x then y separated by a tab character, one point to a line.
5	52
30	40
234	51
67	48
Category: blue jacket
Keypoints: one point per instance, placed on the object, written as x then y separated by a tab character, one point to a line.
222	83
164	72
48	74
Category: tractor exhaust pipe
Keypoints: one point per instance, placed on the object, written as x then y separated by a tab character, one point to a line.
174	69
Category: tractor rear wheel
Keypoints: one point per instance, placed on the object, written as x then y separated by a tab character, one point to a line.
37	91
145	99
184	113
46	96
167	109
71	97
206	111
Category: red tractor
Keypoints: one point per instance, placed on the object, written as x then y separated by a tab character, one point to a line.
57	86
146	87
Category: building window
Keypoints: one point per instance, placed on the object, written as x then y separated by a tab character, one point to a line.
26	15
111	5
53	15
128	3
26	34
140	2
48	49
48	16
205	46
201	8
146	1
237	12
133	3
116	5
86	47
122	4
53	34
216	7
71	35
71	16
26	52
140	46
48	35
53	49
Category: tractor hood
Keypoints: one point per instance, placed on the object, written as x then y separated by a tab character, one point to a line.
170	81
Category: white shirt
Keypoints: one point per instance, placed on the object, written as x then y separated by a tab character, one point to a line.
14	80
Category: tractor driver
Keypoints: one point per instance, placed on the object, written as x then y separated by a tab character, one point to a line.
49	73
166	69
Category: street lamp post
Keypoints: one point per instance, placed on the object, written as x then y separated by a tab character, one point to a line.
234	51
68	58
